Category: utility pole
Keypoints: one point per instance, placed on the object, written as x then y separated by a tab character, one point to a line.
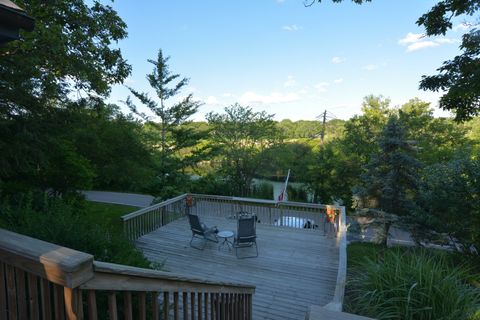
322	134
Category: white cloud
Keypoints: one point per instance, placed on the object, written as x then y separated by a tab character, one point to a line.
445	40
290	82
411	38
421	45
292	27
303	91
211	100
322	86
338	60
338	81
227	94
370	67
250	97
462	27
417	41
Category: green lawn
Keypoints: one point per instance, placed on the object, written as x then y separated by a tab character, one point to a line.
108	215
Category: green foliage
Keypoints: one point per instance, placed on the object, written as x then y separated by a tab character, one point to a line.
450	203
69	54
239	136
391	176
171	134
406	284
262	190
69	50
69	224
298	194
458	77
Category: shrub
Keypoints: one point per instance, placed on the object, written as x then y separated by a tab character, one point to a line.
65	223
262	190
412	285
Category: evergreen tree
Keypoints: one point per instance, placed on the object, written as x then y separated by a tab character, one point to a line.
174	134
391	176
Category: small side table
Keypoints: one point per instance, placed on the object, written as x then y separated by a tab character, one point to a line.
225	235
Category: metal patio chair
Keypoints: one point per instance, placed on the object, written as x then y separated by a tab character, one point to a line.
246	235
200	230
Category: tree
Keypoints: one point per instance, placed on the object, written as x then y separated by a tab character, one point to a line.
450	203
240	135
391	175
174	135
458	77
436	139
68	52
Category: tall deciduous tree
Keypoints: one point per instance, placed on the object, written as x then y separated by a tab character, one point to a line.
69	54
240	135
174	135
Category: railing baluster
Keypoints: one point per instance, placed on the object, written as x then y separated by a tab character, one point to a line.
21	293
166	305
71	303
92	305
32	295
199	304
192	304
80	304
127	305
58	302
206	305
3	290
46	299
185	305
142	307
11	292
155	307
112	306
175	305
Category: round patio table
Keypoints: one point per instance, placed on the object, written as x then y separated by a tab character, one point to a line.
225	235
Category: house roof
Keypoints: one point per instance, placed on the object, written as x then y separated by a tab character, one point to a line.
12	19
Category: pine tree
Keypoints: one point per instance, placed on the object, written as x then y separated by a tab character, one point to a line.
391	176
173	118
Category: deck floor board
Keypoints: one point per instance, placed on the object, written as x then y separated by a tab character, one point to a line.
295	268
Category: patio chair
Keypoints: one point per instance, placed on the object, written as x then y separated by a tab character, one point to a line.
200	230
246	235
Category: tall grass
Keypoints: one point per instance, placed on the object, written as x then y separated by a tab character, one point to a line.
412	285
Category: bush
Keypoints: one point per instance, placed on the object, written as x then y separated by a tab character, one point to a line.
66	223
412	285
262	190
299	194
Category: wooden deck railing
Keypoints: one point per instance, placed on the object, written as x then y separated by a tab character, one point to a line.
308	216
148	219
40	280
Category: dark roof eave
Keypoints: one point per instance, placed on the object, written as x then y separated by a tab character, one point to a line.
10	17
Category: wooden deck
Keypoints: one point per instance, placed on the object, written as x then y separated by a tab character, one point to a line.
295	269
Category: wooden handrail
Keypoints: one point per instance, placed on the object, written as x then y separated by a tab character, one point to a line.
263	201
109	276
153	207
146	220
48	281
62	266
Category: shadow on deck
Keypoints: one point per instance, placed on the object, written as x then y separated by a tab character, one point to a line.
296	268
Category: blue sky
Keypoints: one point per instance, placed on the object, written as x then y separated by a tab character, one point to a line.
284	58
